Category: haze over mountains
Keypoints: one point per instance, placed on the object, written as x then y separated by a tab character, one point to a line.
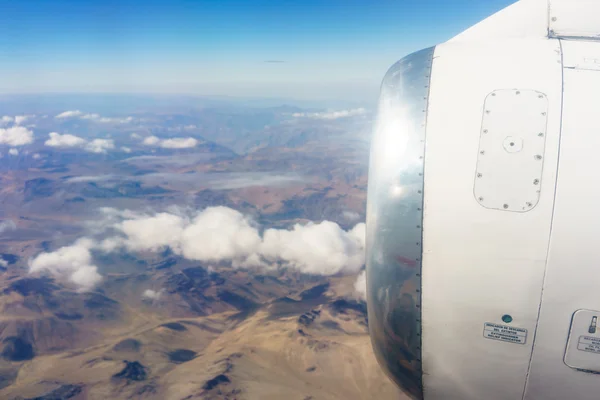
177	248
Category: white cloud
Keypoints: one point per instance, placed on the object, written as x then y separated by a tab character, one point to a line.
135	136
151	294
173	143
351	215
221	234
73	263
13	152
69	114
360	286
321	249
5	120
66	140
178	143
3	262
100	146
21	118
37	156
126	149
16	136
7	225
151	141
332	114
92	117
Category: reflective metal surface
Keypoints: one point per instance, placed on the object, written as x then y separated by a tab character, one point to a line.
394	220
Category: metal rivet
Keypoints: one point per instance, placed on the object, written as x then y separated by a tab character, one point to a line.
482	152
538	157
518	92
487	111
541	134
553	18
419	191
418	226
493	94
536	181
479	175
481	199
485	131
505	206
540	96
529	204
418	243
543	113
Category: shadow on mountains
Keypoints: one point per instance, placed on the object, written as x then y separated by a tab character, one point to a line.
310	298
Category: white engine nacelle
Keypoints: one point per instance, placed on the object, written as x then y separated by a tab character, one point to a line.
483	210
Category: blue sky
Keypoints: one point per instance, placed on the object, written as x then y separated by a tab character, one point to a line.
329	48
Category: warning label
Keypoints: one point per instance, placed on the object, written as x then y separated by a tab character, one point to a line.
589	344
506	333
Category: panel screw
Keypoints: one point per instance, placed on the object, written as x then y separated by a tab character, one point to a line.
538	157
536	181
540	96
553	19
505	206
544	113
487	111
541	134
481	199
482	152
479	175
529	204
518	92
485	131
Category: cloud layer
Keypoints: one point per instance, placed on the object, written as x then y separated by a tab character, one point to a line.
92	117
215	235
332	114
173	143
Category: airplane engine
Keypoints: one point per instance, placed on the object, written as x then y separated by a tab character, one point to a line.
483	211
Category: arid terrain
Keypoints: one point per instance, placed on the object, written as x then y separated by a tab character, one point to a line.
181	250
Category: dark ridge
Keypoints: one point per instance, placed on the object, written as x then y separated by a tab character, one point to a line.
128	345
64	392
237	301
17	349
39	187
343	305
202	326
9	258
301	332
306	319
314	292
179	283
42	286
331	325
175	326
195	273
77	199
97	300
216	278
168	263
311	369
7	377
133	371
46	245
263	278
69	316
181	355
216	381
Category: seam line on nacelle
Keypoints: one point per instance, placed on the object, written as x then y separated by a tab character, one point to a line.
562	91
